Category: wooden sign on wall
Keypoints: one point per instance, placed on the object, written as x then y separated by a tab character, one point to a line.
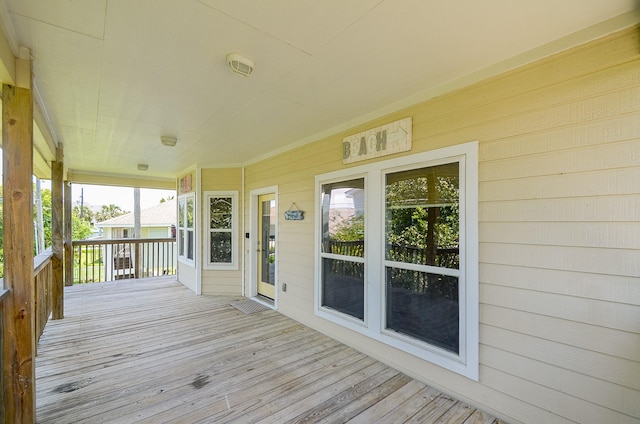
381	141
185	184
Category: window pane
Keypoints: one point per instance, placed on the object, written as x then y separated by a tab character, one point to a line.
221	247
422	216
423	306
343	286
189	244
190	213
220	212
181	213
343	218
181	242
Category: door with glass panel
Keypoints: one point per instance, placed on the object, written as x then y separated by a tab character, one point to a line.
267	245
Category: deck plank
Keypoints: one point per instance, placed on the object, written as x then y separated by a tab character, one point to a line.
149	351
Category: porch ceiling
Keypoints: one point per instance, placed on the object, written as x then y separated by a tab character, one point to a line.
115	75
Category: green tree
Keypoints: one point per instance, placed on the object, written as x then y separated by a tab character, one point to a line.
80	227
46	215
84	213
351	229
108	212
410	212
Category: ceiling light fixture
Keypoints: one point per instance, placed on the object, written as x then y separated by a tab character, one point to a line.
240	65
143	167
168	141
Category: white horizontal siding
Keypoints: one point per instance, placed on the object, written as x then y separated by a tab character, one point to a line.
563	356
617	343
559	231
221	282
615	289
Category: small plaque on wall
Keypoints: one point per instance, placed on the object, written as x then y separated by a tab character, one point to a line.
294	214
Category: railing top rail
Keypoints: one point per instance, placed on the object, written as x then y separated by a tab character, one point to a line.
41	260
121	241
3	293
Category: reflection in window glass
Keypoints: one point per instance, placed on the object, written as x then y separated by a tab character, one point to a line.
220	212
422	228
343	286
343	240
423	306
268	239
190	242
422	216
221	240
181	213
343	218
190	212
186	231
221	247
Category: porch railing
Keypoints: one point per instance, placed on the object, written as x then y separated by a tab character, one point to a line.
42	284
108	260
441	257
43	280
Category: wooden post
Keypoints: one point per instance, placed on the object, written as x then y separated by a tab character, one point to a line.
137	232
19	322
57	232
68	237
137	265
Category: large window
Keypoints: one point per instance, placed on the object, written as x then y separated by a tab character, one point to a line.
186	230
422	259
407	275
342	250
221	212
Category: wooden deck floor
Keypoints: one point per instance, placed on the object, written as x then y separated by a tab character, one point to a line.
149	351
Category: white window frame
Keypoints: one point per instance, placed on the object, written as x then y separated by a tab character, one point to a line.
233	265
184	258
322	255
466	361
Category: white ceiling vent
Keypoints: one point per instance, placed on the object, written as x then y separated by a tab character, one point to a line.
240	65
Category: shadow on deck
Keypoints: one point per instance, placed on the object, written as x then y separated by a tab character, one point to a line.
149	351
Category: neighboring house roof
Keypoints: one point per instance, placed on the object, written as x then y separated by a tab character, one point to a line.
161	215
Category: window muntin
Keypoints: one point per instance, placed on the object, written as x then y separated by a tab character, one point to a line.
222	229
342	247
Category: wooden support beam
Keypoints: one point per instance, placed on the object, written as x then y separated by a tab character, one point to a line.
57	236
68	237
19	323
